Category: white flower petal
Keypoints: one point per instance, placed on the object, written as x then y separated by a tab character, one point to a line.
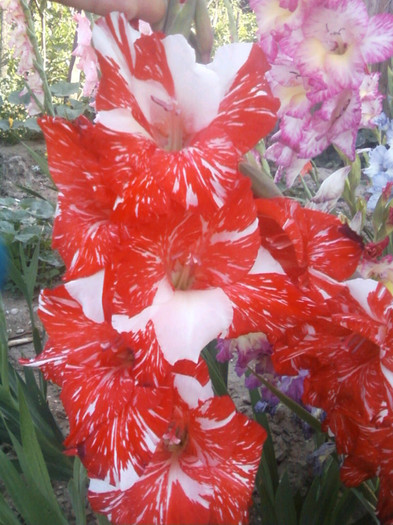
265	263
360	289
88	292
189	320
191	391
227	62
197	89
120	120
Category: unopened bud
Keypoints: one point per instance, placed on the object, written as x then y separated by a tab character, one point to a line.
204	31
330	190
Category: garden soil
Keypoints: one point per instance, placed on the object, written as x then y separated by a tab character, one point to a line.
292	446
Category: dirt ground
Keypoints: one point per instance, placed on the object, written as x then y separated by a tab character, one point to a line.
291	447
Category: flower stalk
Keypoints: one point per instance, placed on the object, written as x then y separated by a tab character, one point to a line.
37	61
301	412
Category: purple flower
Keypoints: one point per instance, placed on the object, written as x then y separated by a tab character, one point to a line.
380	171
318	458
381	121
254	351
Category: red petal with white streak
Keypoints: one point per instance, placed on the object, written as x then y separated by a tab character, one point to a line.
113	39
195	484
216	248
385	496
99	191
71	333
77	341
132	280
233	480
231	240
266	303
248	110
83	233
201	175
223	113
164	494
301	239
115	425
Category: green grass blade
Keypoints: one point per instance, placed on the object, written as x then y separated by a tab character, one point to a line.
35	468
358	492
4	364
27	496
215	371
310	504
284	503
16	276
39	409
30	271
344	510
49	441
329	492
7	515
40	159
270	464
268	514
14	485
77	487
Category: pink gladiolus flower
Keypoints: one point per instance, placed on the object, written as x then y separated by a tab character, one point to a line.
320	52
88	62
24	52
380	269
335	122
195	121
336	41
202	471
276	18
290	88
371	100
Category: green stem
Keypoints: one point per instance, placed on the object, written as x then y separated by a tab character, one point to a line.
38	64
4	374
262	183
314	174
180	18
218	371
231	21
261	148
306	188
368	493
290	403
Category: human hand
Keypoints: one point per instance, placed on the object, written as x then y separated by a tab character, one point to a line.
151	11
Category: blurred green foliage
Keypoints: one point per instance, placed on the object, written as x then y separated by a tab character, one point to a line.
244	21
55	32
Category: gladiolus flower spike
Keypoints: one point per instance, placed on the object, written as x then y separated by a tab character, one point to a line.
166	249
